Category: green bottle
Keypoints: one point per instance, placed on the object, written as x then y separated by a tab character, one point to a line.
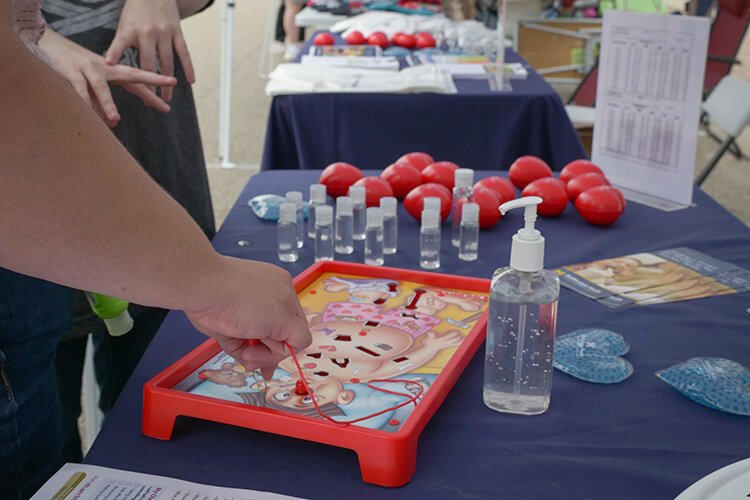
113	311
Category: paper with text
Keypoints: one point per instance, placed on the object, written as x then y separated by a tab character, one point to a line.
648	102
90	482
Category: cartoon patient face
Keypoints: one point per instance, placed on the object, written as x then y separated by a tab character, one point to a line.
349	350
281	394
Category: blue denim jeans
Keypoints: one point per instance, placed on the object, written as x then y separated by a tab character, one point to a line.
34	314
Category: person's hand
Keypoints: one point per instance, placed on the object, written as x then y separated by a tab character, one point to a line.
90	77
153	27
252	300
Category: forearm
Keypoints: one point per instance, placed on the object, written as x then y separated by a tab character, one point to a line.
189	7
74	206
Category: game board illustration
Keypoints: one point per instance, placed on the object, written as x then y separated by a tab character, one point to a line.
363	329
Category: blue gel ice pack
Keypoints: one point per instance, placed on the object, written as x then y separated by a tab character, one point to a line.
720	384
266	206
593	355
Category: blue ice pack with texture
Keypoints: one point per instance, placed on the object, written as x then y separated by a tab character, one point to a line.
721	384
593	355
266	206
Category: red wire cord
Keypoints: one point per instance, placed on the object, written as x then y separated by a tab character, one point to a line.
412	398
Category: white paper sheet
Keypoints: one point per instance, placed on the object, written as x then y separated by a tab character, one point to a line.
648	101
89	482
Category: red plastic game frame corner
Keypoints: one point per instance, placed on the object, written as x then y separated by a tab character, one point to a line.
386	458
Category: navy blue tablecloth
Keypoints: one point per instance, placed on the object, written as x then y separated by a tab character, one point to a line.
476	128
637	439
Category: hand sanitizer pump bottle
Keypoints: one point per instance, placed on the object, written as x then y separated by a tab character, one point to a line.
522	322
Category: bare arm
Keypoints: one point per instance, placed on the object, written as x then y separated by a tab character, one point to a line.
189	7
69	196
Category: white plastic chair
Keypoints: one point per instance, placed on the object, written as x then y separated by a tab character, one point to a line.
729	106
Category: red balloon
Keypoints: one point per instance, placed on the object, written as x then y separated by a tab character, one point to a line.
600	205
417	159
578	185
527	169
414	201
402	177
425	40
323	39
553	194
338	177
378	38
578	167
489	204
355	38
440	172
500	185
404	40
375	188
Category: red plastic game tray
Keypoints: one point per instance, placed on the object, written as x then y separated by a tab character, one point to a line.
368	323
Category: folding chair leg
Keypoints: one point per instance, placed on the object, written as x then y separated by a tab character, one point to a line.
717	156
734	148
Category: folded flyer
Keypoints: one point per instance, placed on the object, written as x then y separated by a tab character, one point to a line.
647	278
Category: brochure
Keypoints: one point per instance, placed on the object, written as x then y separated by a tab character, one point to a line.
642	279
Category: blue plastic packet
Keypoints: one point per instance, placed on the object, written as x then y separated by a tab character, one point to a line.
396	52
720	384
593	355
266	206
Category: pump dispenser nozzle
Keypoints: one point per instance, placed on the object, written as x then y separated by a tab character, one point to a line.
527	249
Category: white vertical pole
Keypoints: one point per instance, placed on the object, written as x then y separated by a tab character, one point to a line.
225	99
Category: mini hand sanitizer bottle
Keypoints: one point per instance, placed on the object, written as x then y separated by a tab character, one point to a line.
429	240
468	239
323	233
287	233
317	199
463	192
344	225
388	205
296	198
522	323
358	207
374	237
432	203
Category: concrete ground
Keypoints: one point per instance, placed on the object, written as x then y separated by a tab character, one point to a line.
729	184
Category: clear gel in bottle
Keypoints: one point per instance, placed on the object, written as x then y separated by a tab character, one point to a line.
468	238
522	323
296	198
323	233
463	192
374	237
317	199
429	240
359	208
344	226
388	205
287	233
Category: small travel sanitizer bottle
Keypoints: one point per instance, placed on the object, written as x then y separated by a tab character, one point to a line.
358	209
287	231
432	203
522	322
388	205
463	192
317	199
468	238
429	240
374	237
323	233
296	198
344	226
